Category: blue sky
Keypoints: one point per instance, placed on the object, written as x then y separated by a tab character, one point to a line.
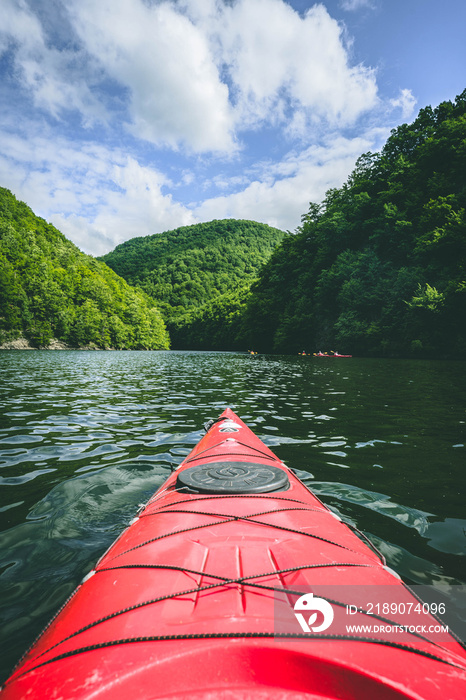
123	118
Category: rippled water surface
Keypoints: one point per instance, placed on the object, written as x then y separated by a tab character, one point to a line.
87	436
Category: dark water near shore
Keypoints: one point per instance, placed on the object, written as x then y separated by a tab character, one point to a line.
87	436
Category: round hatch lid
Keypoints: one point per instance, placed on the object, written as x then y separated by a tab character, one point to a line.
233	477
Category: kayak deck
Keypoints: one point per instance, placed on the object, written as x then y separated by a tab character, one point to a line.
194	597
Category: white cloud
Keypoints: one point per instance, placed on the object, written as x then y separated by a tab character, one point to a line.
406	102
98	197
164	60
18	22
191	78
51	76
289	64
352	5
194	72
139	208
282	191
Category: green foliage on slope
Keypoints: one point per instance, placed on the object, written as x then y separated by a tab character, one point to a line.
379	267
186	268
48	288
216	325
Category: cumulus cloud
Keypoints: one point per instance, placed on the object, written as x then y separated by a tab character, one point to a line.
192	74
50	75
282	190
176	96
352	5
129	104
406	102
291	63
98	197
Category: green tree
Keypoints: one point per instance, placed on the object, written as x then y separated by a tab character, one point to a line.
48	288
379	267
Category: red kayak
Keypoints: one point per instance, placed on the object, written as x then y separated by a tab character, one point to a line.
235	581
333	354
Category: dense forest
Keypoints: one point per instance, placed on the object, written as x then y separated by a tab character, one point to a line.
216	325
50	289
377	268
186	268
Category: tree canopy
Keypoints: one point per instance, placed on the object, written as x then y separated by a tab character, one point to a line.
49	288
185	268
378	268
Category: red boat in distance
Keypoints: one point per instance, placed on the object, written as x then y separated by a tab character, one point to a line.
329	354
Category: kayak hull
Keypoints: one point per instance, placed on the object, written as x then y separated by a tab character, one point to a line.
191	600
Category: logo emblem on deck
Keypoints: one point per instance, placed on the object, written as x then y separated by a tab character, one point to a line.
232	477
308	603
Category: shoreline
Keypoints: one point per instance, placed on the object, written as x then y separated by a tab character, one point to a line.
24	344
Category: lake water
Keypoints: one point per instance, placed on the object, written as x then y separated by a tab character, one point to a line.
85	437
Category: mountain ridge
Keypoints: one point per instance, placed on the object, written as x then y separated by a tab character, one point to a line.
49	290
186	267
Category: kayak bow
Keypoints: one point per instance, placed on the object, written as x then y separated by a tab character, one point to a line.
204	595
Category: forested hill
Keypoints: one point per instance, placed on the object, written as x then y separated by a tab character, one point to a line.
50	289
379	267
185	268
